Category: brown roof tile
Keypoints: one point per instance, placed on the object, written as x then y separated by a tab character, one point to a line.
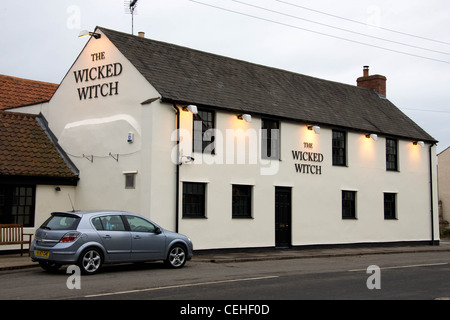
27	150
16	92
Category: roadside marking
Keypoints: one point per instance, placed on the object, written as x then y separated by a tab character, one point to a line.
178	286
402	267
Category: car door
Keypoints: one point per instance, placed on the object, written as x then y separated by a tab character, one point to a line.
114	236
147	241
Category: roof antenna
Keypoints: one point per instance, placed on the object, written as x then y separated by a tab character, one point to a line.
71	203
130	6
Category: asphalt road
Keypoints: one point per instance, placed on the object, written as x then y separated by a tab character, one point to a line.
418	276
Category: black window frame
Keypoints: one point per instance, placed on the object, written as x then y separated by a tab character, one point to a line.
17	203
390	206
349	201
339	148
207	119
391	154
194	200
242	201
270	139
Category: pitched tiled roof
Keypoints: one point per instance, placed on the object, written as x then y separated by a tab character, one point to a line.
16	92
26	149
185	75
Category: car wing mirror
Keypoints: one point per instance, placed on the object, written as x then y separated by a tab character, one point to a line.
158	230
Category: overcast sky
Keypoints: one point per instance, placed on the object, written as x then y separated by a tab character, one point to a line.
406	41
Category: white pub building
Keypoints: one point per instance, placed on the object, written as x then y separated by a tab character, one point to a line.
239	155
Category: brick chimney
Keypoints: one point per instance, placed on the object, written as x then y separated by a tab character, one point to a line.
375	82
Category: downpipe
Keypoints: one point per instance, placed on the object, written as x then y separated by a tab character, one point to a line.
430	152
177	178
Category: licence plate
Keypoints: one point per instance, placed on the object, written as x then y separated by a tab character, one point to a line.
41	253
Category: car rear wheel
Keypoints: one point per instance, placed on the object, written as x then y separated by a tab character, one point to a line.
90	261
176	257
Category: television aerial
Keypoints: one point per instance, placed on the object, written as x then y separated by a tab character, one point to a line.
130	7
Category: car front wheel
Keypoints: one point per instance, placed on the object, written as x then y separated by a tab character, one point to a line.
176	257
90	261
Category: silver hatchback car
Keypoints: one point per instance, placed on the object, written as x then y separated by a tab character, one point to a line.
93	238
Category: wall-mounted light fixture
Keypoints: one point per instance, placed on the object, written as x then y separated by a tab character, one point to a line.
315	128
420	143
245	117
373	136
191	108
186	159
85	33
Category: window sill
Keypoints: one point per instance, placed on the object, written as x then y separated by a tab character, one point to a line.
192	217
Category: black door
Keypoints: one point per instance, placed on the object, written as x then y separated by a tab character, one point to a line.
282	217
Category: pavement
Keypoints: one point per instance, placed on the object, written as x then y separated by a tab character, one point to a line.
16	261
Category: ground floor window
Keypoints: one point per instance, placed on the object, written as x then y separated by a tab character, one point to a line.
348	204
390	206
17	204
130	180
194	199
242	201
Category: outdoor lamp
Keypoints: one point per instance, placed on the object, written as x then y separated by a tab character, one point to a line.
85	33
420	143
245	116
315	128
373	136
191	108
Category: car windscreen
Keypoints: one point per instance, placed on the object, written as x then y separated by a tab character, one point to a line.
61	221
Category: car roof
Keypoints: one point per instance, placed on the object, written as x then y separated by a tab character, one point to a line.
81	213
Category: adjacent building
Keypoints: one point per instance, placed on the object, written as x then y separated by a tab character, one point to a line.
444	187
239	155
18	92
36	176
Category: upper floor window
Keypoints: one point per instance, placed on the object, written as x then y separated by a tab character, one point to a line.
203	135
391	154
270	139
339	148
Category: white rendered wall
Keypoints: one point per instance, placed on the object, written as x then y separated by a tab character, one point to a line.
94	131
316	199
